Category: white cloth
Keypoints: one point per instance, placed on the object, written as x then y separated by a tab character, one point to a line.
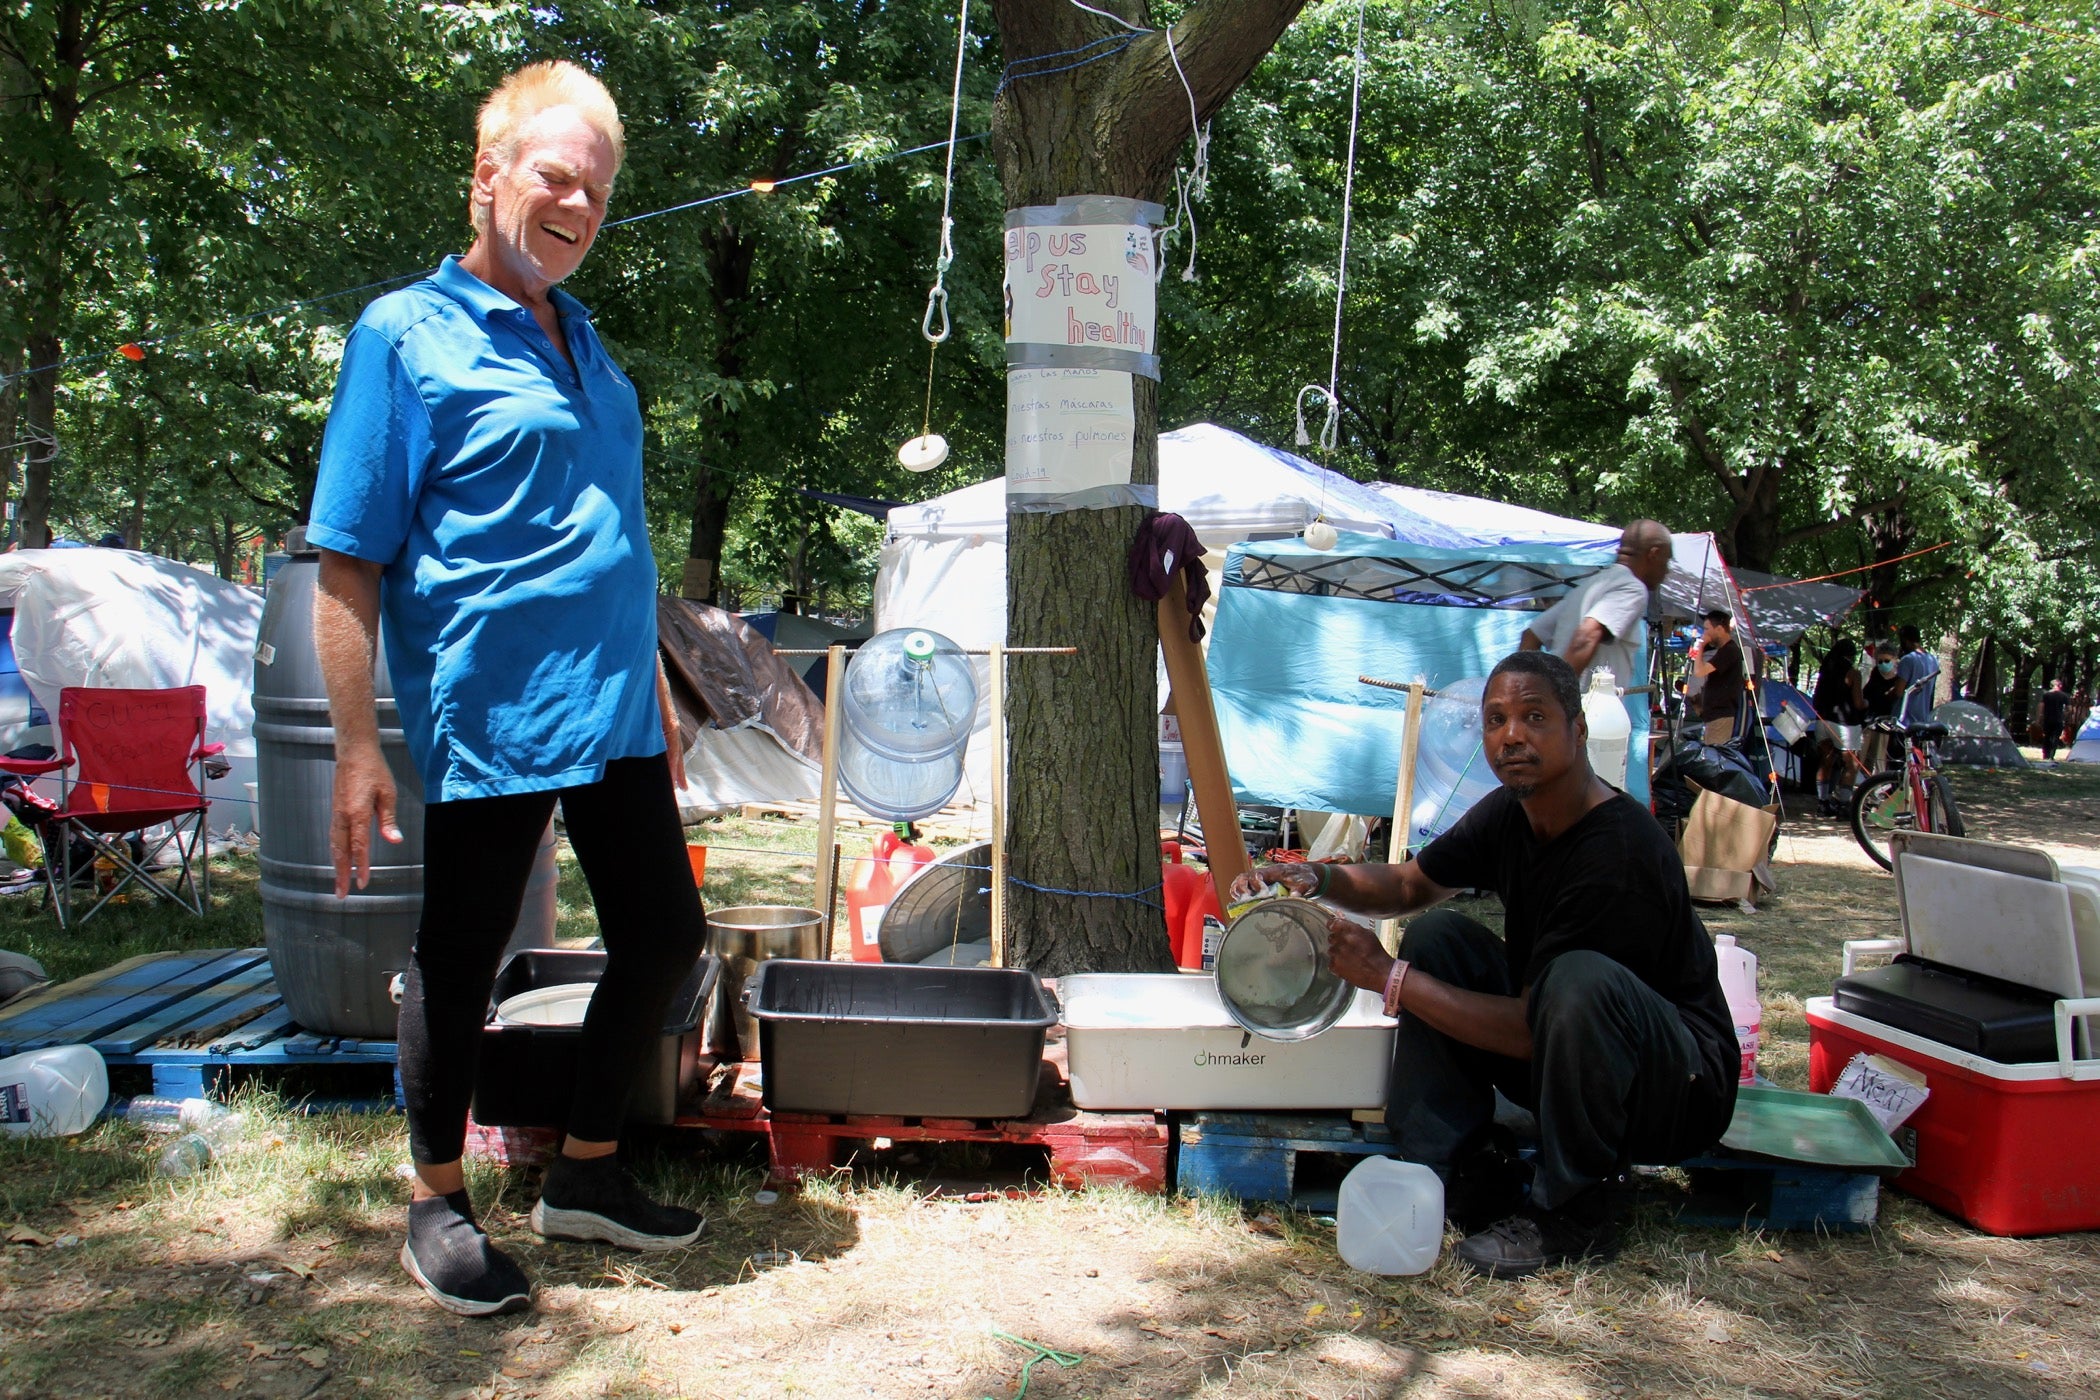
1619	603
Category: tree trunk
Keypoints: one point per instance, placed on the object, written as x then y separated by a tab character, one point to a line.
1084	797
1945	685
2018	696
703	565
40	430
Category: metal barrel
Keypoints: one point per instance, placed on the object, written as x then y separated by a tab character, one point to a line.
335	959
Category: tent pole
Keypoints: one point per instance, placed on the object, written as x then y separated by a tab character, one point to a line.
828	796
1403	803
998	738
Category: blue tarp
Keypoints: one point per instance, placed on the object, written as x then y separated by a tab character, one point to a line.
1296	627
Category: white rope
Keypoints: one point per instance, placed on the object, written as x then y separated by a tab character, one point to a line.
937	295
1330	431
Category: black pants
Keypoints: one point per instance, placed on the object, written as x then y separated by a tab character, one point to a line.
1612	1077
477	858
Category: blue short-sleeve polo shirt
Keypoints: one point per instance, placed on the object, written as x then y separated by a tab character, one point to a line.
501	488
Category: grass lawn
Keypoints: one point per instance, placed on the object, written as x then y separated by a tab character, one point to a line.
274	1273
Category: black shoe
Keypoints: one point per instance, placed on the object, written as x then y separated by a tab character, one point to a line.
1535	1239
452	1259
595	1200
1487	1183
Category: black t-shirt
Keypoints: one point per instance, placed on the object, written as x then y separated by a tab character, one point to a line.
1612	884
1724	684
1881	693
1833	698
2055	704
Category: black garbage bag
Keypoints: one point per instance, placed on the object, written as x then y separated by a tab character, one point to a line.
1724	770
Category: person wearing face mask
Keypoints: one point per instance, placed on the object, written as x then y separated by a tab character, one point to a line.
1879	696
481	489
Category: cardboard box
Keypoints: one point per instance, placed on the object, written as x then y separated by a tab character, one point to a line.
1724	846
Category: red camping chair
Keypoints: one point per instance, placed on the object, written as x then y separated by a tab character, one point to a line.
130	760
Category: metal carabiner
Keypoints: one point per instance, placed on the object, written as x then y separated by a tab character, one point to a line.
936	298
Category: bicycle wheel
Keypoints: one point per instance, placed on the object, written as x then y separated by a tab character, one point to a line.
1945	819
1881	808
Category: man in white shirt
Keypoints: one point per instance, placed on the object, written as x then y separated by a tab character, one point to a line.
1602	621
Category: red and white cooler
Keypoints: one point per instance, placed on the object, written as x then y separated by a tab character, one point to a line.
2014	1149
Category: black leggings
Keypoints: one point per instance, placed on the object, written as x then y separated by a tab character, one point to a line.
477	857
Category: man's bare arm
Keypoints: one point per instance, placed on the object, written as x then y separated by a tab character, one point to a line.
346	636
1382	891
1499	1025
1588	637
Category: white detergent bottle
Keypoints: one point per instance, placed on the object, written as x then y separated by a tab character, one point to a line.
1391	1217
1739	985
53	1093
1611	732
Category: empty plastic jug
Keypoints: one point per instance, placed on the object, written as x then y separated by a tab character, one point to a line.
910	694
53	1093
1739	985
1391	1217
897	789
1611	732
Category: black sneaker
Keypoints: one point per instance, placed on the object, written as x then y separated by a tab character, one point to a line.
1488	1182
594	1200
1535	1239
447	1253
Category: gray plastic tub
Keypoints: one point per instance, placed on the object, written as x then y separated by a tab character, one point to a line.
900	1041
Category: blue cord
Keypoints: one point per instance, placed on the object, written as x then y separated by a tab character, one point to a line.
1120	42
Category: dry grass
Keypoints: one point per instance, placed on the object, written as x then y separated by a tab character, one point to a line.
274	1274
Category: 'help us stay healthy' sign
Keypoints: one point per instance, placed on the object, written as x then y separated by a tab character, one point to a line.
1080	305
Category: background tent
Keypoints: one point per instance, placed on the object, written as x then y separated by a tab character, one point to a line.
1783	609
944	564
2087	749
1976	738
1791	761
753	731
1301	730
793	632
117	618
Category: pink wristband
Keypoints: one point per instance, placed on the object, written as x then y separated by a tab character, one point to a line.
1394	981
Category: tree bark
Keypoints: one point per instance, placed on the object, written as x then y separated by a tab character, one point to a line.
1084	810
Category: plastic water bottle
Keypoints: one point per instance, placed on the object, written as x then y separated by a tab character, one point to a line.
1391	1217
55	1092
195	1150
1739	985
1611	732
157	1115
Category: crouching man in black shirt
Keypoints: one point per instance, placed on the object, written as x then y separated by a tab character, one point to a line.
1599	1008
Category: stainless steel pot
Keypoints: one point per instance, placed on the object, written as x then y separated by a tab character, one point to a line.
743	936
1273	975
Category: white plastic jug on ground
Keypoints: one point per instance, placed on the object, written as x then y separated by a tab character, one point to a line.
1391	1217
53	1093
1739	985
1611	732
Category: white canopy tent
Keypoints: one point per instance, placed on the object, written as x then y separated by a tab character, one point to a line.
943	566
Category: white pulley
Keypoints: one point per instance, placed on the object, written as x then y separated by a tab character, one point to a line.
1321	536
923	453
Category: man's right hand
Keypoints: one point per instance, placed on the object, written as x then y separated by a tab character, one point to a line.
364	793
1300	880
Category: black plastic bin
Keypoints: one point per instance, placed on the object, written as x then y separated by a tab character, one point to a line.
899	1040
527	1074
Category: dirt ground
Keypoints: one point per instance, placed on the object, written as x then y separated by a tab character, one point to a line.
274	1274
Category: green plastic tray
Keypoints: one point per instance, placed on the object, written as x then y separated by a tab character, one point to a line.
1786	1125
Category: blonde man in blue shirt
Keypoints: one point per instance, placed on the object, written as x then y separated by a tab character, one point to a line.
481	491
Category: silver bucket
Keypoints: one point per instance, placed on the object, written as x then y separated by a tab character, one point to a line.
743	936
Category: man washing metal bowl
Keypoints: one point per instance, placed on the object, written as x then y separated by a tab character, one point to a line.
1600	1007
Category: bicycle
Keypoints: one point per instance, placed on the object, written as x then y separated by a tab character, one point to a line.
1912	797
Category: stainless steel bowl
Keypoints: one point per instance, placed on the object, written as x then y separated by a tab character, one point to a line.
1273	975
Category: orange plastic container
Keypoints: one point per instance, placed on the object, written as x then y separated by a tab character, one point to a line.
1189	895
877	876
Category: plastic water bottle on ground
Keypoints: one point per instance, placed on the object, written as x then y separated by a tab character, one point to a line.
158	1115
1391	1217
209	1140
53	1093
1739	985
1611	732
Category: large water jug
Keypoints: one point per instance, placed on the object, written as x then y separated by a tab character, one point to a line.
335	959
1391	1217
1451	769
1610	730
910	694
897	789
53	1093
1739	985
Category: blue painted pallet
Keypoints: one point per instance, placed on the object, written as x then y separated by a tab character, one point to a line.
1731	1192
1270	1156
193	1018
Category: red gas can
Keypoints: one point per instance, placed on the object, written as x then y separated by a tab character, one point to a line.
1189	895
877	876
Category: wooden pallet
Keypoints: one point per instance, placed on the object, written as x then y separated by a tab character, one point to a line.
1264	1156
1085	1149
1731	1192
195	1019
